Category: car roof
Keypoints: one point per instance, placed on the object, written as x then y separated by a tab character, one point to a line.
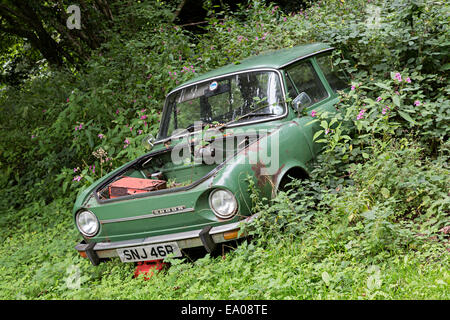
274	59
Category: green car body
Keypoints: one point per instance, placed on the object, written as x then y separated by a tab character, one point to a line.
268	147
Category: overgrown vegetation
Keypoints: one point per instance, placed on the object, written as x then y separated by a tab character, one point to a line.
371	222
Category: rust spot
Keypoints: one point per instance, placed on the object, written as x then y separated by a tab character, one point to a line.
275	176
262	179
257	168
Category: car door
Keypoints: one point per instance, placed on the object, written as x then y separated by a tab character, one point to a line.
305	77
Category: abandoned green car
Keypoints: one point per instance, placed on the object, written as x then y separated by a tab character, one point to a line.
242	121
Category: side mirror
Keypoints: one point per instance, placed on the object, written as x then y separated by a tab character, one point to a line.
148	142
301	101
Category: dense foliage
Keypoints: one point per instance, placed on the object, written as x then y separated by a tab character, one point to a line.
372	221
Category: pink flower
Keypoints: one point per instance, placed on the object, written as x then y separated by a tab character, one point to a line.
127	141
398	76
75	169
139	131
117	111
353	88
100	136
67	100
143	117
408	80
361	114
77	178
313	113
378	99
385	109
417	103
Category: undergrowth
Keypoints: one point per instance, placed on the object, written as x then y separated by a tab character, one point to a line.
371	221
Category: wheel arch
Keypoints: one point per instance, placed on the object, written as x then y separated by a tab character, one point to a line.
296	171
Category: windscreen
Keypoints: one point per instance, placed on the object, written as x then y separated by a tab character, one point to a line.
238	98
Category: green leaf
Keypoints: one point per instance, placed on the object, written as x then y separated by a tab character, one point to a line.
65	184
445	67
383	86
406	117
346	137
326	278
90	140
311	122
317	134
396	100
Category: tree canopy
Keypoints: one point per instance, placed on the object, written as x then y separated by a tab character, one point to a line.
43	25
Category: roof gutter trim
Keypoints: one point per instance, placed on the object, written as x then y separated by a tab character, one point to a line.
305	57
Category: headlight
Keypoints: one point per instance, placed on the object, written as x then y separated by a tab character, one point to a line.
223	203
87	223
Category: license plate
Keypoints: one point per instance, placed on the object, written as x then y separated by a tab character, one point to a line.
150	252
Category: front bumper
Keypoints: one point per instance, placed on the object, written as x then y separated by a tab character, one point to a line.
207	237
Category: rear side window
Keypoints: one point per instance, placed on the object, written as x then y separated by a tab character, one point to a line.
337	78
305	79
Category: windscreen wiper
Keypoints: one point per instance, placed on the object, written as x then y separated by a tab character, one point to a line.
191	127
250	114
255	114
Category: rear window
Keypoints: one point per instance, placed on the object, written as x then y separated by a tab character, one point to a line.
337	77
305	79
